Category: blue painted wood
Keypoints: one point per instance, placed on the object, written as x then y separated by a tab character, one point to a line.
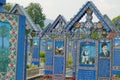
45	30
21	53
47	72
59	19
116	58
35	55
59	65
74	54
81	13
50	27
86	75
36	51
59	68
49	59
25	57
99	16
104	71
116	72
77	17
2	2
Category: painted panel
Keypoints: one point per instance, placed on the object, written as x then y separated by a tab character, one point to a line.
4	45
35	56
104	71
87	54
116	54
86	75
104	51
59	65
36	41
49	53
116	58
104	59
59	47
49	59
10	53
117	43
116	74
36	51
43	44
49	45
59	60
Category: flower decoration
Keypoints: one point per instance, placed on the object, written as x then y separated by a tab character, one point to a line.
12	57
2	18
11	65
77	25
13	40
12	48
13	32
14	23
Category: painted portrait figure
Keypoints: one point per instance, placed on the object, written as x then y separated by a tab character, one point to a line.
105	52
87	53
85	56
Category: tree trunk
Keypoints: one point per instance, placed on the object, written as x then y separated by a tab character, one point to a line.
2	42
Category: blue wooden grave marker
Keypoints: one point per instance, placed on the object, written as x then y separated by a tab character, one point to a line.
49	34
59	59
36	51
74	54
12	37
90	32
49	57
116	57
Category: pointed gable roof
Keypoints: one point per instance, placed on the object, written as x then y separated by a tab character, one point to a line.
22	11
59	19
116	23
45	30
81	13
50	26
109	22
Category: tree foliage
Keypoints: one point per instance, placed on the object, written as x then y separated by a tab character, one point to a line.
4	32
36	13
115	19
8	6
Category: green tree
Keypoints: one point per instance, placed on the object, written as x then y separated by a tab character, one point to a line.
36	13
4	32
115	19
8	6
